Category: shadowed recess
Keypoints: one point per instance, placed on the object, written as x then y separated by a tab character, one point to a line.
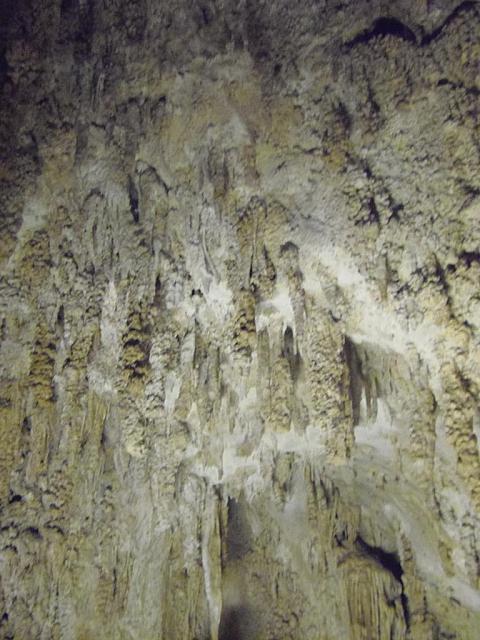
381	28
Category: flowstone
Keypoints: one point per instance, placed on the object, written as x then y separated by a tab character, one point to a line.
239	320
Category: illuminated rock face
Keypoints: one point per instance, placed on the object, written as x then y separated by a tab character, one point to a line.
240	315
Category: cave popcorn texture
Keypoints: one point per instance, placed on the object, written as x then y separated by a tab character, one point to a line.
240	313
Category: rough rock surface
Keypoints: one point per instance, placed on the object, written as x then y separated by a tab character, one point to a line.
240	320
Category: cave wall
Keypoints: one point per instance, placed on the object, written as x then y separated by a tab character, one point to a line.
240	312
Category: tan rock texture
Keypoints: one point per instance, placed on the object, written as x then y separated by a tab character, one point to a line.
240	320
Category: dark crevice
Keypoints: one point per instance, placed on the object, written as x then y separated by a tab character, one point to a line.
135	342
382	27
66	7
157	297
463	7
239	534
78	25
4	67
61	318
441	634
11	547
371	99
440	274
206	15
445	82
55	527
288	344
133	197
395	209
34	532
405	608
7	9
470	257
373	215
289	247
442	281
390	26
471	192
235	624
150	171
355	375
257	33
290	352
391	563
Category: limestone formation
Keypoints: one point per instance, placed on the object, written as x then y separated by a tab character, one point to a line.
240	320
